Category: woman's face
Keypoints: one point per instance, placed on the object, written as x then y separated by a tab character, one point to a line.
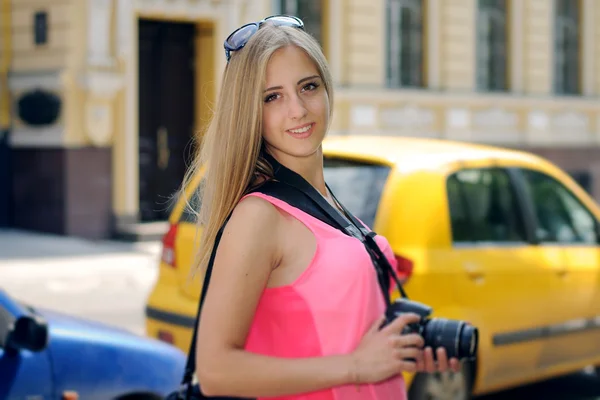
295	104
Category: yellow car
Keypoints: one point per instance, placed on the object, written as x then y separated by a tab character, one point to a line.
497	237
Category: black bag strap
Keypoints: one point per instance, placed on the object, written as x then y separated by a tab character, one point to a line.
190	365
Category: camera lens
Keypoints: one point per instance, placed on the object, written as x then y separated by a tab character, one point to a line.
458	338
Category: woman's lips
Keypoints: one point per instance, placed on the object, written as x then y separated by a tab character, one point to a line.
302	132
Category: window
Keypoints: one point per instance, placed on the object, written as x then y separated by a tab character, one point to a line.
492	45
566	47
561	218
405	43
309	11
483	207
40	27
357	186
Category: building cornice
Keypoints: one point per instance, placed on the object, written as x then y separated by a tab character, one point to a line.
44	79
405	95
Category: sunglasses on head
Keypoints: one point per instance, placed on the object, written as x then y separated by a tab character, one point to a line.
238	39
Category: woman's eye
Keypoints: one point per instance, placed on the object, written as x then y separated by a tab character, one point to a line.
310	86
270	98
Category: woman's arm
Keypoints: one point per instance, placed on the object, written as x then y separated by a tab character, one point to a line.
248	252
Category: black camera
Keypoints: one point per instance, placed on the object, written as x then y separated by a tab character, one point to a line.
459	338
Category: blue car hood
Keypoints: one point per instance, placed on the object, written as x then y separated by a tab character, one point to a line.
93	357
60	321
63	325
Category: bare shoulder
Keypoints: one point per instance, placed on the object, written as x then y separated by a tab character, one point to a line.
256	213
246	255
251	205
254	222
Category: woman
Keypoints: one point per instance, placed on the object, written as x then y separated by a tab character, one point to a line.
293	308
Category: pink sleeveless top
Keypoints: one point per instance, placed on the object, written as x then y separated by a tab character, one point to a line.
327	310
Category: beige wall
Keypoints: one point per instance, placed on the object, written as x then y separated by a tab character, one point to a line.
56	66
596	48
26	55
538	32
363	48
457	42
27	58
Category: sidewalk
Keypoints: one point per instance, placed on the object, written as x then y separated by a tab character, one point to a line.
107	281
19	245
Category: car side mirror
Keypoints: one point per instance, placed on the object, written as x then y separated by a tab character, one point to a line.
28	332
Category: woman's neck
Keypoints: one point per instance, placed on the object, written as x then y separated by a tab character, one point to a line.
310	168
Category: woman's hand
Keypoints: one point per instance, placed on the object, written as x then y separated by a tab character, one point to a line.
428	364
383	353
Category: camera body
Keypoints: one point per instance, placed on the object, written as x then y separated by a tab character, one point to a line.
404	306
459	338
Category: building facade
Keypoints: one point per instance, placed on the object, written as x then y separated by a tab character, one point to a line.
125	85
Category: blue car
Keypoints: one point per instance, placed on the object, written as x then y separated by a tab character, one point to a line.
48	355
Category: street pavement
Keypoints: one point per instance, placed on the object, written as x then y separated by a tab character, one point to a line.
109	281
104	281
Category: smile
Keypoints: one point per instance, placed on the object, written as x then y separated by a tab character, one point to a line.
302	132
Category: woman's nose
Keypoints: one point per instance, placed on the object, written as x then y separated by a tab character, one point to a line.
296	107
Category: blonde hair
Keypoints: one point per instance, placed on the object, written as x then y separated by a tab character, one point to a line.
230	151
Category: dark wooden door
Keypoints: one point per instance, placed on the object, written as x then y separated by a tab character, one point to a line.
166	113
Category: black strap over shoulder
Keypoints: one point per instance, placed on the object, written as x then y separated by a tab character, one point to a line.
188	390
296	191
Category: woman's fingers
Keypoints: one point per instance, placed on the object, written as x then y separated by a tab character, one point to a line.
421	361
376	326
428	360
439	363
408	340
398	324
442	359
407	366
455	364
409	349
411	354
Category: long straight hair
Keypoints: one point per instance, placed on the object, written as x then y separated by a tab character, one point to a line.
230	153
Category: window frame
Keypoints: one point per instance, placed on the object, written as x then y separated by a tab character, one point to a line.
321	37
563	63
394	73
519	199
41	27
529	205
486	54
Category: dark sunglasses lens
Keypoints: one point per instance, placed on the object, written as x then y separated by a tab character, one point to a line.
285	21
241	36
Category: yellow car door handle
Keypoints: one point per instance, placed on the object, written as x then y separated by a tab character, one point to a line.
562	271
474	271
